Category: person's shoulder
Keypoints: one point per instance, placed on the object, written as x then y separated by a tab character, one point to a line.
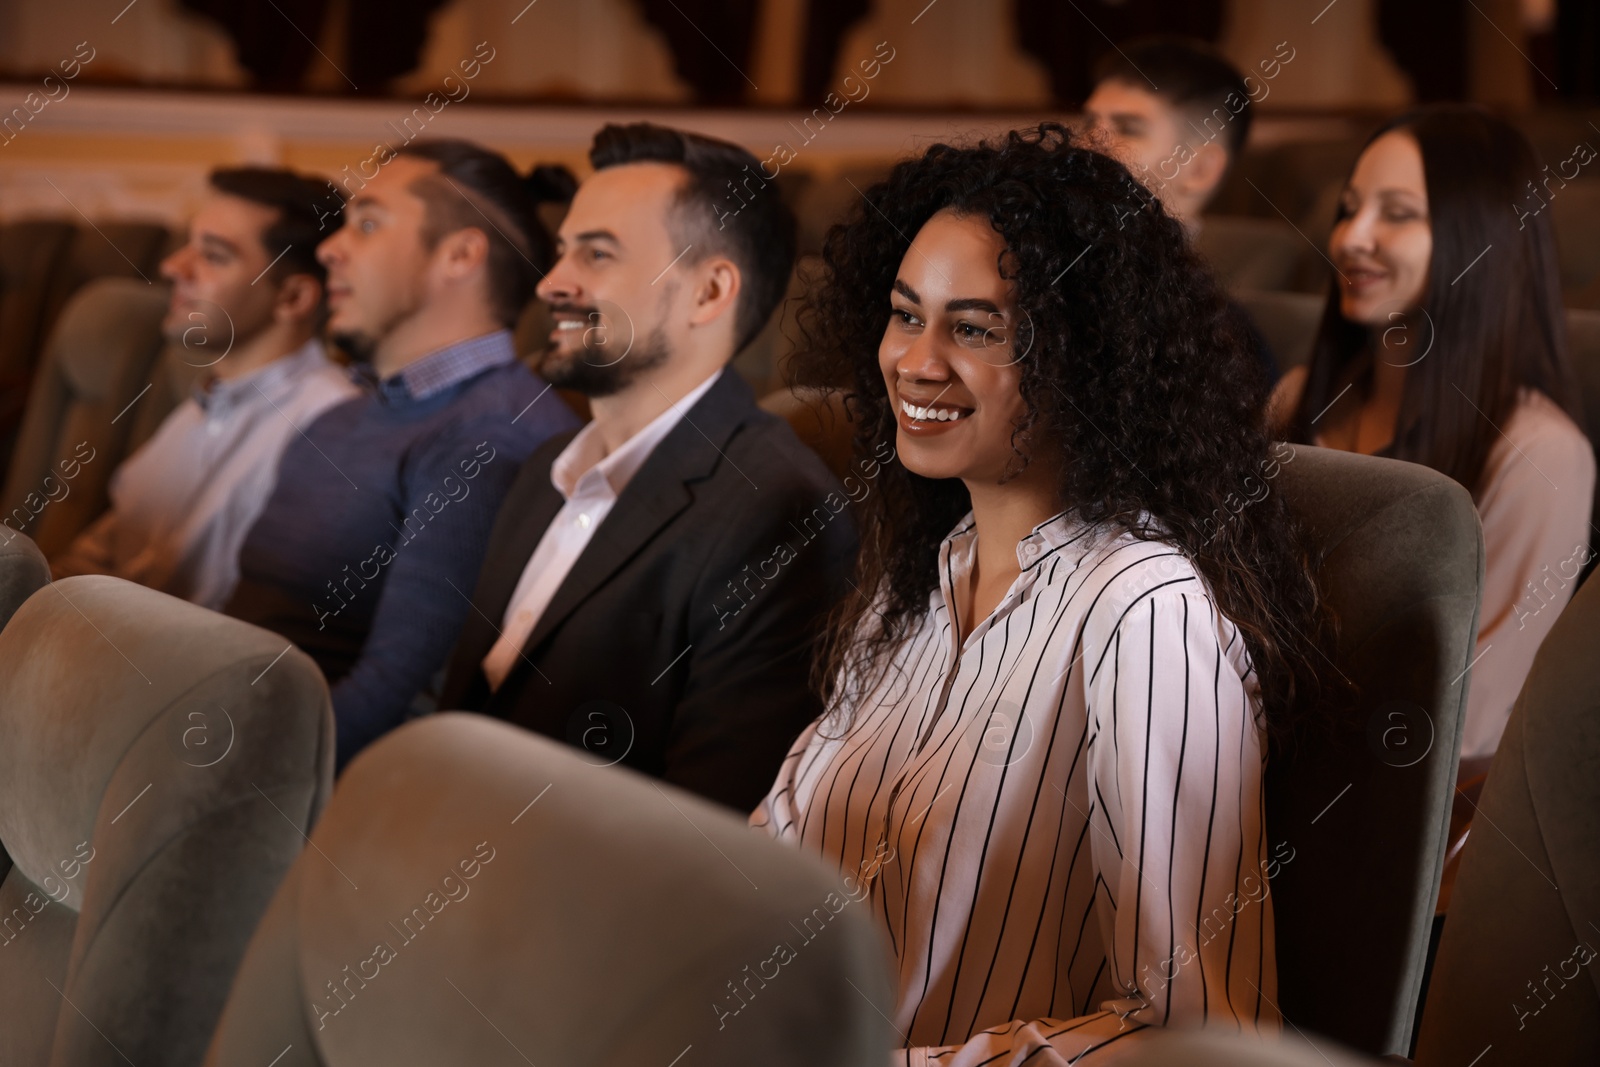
1126	562
1539	431
507	386
322	418
768	485
322	386
1540	418
769	444
508	404
1121	572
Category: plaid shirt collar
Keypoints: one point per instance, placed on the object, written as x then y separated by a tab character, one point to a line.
449	366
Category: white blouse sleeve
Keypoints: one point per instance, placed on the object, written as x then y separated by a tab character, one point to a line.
1179	830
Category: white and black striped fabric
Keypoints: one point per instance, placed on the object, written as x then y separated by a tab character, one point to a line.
1059	824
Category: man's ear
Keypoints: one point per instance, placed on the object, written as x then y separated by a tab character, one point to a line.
1200	177
299	297
716	293
463	252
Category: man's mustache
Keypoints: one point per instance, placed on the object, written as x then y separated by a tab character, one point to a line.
589	313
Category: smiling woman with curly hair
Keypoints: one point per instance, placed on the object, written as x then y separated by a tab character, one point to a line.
1050	697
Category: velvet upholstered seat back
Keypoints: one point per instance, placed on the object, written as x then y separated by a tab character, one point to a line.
78	427
480	894
1358	817
23	572
1517	966
159	767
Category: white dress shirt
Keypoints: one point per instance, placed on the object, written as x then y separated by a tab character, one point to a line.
590	481
1059	824
182	504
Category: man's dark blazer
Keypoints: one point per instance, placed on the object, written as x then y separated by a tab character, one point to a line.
681	641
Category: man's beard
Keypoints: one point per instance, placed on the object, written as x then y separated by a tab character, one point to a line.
594	370
357	345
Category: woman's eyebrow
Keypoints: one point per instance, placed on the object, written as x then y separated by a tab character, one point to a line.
972	303
906	291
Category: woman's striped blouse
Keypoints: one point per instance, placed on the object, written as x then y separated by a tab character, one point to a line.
1059	823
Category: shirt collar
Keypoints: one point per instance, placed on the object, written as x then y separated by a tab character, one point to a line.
1061	531
585	453
220	397
449	366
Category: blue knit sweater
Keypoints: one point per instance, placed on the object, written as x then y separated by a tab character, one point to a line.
368	549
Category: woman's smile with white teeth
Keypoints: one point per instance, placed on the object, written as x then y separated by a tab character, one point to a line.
932	413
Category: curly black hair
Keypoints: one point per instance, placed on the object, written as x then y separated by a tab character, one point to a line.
1136	375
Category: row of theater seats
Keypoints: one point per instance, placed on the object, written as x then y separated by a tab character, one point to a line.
468	888
1269	241
43	262
179	874
1298	182
1268	226
1267	231
106	382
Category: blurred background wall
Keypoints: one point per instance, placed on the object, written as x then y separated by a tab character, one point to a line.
161	90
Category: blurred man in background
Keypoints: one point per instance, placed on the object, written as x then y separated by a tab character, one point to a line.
247	305
367	549
1178	114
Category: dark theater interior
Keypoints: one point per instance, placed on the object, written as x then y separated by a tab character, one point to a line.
502	555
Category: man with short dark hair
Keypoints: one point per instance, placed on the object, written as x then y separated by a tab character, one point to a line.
364	554
1177	114
654	584
247	303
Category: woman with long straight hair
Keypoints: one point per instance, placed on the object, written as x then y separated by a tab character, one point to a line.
1444	343
1050	695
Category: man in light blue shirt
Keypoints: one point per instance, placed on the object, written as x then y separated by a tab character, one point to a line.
247	305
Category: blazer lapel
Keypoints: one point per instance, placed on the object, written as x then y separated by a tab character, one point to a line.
655	496
503	564
496	588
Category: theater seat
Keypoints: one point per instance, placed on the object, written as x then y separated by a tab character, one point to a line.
31	252
23	572
1219	1048
1583	342
479	894
98	361
1252	253
110	249
823	202
1288	321
820	419
159	767
1575	214
1516	966
763	361
1365	809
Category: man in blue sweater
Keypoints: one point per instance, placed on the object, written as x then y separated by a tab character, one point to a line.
367	549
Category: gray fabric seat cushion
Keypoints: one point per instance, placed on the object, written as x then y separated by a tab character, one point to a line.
1516	966
159	766
98	361
23	572
516	903
1365	808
